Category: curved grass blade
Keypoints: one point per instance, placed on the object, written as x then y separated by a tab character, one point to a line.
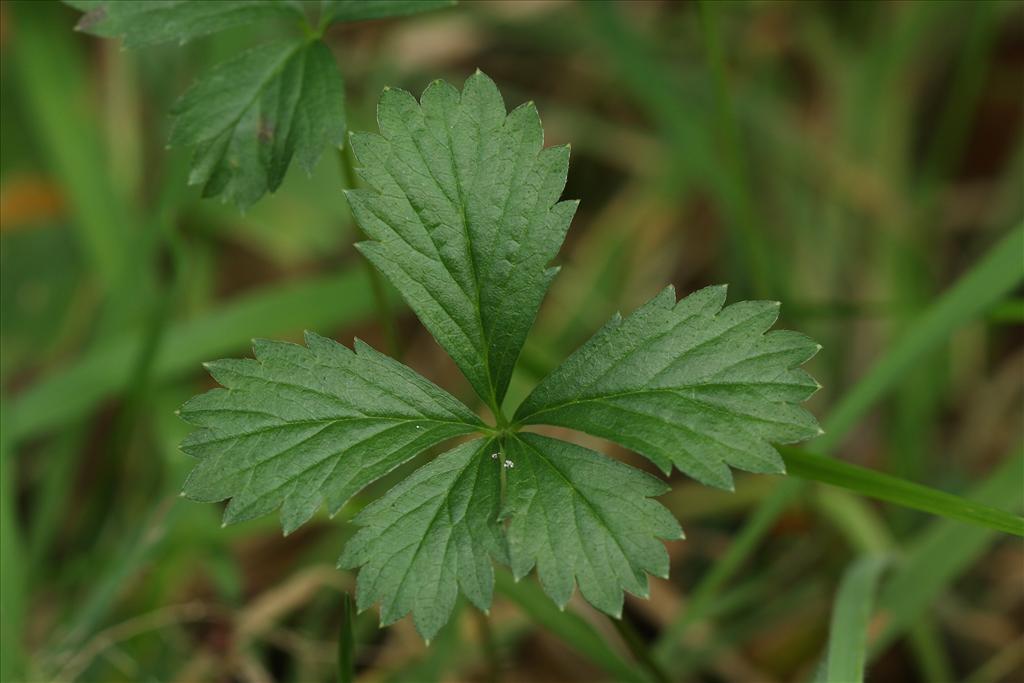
847	645
899	491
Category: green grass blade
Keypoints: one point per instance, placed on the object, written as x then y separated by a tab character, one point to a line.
988	282
572	629
316	303
848	633
346	642
53	80
891	489
12	578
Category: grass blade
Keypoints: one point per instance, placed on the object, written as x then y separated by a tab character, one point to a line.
12	578
346	642
52	77
848	633
891	489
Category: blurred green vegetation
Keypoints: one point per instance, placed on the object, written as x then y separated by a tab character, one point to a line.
862	162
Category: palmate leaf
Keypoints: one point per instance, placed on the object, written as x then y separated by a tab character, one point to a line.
249	116
303	425
687	383
464	218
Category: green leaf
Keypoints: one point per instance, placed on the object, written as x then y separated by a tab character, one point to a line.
899	491
249	116
150	22
687	383
848	634
463	214
464	218
579	516
430	535
360	10
300	426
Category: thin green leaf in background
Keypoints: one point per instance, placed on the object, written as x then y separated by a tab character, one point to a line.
346	641
800	463
52	76
848	633
12	578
